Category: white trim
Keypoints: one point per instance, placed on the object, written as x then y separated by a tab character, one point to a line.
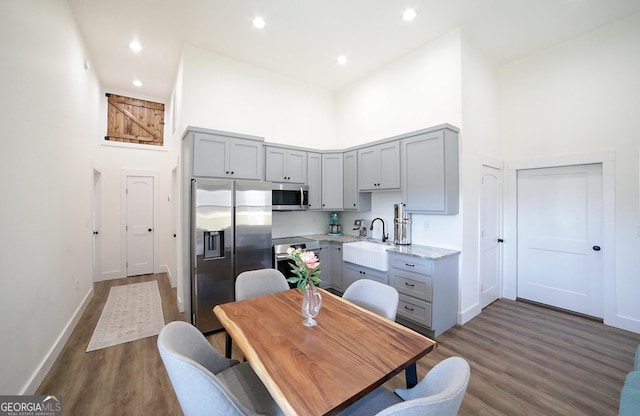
111	143
469	313
51	357
607	160
123	218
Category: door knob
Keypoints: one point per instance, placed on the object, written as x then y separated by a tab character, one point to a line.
596	248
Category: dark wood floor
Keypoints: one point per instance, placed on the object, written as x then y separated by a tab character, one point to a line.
525	360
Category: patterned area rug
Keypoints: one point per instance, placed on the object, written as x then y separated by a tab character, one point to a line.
132	312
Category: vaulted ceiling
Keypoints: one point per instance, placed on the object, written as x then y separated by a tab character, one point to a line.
302	38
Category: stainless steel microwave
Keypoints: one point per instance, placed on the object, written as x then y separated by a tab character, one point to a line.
289	197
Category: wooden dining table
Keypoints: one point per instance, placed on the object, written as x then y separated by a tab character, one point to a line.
322	369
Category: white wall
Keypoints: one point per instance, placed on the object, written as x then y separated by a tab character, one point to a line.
583	97
112	161
480	138
49	113
419	90
223	94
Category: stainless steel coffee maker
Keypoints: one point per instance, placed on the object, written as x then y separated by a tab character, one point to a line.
401	225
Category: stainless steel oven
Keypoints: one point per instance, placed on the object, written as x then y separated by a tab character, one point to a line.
280	246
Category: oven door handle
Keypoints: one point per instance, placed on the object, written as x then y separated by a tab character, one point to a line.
281	257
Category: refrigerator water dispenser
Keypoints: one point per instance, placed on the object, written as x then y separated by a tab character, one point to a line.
213	244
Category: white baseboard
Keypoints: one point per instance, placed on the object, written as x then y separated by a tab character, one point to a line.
468	314
55	350
180	305
623	322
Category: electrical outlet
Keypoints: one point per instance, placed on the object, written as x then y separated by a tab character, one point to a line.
426	225
77	285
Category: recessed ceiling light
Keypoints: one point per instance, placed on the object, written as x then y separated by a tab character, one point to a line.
135	46
258	22
342	60
137	83
409	14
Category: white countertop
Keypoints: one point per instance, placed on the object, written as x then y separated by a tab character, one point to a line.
415	250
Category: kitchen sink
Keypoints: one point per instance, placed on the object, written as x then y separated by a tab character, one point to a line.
367	254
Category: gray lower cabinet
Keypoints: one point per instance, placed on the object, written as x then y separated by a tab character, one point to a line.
336	266
225	155
352	272
324	255
428	292
430	172
330	256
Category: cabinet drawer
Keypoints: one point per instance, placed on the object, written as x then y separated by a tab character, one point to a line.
412	285
415	266
415	310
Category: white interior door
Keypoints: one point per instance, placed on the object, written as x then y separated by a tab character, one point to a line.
139	226
490	238
97	225
559	237
173	246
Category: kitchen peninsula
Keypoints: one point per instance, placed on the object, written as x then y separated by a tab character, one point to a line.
426	279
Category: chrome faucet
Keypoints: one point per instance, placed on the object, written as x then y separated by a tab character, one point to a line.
384	235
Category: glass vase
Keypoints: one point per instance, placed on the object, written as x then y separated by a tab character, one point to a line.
311	304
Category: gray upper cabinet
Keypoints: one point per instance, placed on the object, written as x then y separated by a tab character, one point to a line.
353	198
332	182
379	167
430	172
314	180
285	165
221	156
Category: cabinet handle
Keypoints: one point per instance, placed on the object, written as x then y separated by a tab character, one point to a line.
410	265
408	308
227	172
233	173
409	284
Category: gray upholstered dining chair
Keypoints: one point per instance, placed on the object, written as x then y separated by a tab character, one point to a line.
439	393
373	296
260	282
205	382
254	283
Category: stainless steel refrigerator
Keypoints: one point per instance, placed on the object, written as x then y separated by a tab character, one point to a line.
230	233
